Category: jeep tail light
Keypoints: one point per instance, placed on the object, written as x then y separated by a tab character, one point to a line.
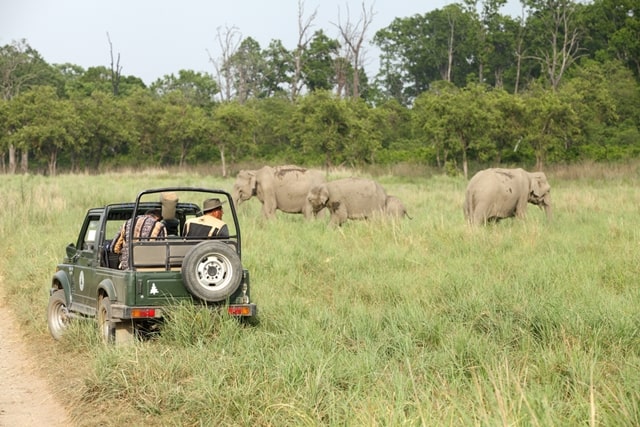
239	310
138	313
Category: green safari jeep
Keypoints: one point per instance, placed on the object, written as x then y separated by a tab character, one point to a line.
88	283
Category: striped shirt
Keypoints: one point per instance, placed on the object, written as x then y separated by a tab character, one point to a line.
146	227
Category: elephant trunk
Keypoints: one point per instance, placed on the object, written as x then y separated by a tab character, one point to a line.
547	209
235	195
543	202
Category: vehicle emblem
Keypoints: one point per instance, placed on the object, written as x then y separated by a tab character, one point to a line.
154	290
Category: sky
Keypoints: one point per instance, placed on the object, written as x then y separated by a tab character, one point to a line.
155	38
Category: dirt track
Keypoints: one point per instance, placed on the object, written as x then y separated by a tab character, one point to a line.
25	398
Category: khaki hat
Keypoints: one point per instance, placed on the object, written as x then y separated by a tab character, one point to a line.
211	204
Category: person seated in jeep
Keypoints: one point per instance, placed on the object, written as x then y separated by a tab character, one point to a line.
210	223
146	227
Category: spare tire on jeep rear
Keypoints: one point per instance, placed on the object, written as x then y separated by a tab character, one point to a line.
212	271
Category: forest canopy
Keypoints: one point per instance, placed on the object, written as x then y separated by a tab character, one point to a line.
457	85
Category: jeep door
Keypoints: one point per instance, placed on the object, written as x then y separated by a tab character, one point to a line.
84	287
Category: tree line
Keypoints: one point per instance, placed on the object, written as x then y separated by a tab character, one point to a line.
457	85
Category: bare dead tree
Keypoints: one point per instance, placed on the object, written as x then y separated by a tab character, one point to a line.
450	45
341	70
353	35
564	42
229	40
519	56
116	69
301	46
520	48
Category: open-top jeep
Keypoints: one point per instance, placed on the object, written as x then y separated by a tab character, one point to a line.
161	271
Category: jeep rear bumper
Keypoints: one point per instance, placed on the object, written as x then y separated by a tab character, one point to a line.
126	312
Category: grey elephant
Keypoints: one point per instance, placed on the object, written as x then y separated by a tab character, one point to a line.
494	194
283	188
394	207
349	198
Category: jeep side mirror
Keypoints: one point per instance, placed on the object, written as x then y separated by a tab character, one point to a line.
71	250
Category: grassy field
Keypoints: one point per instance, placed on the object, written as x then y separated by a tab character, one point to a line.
418	322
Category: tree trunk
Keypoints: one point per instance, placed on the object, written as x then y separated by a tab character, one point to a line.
183	156
452	25
465	165
53	159
24	163
499	74
223	162
356	79
12	159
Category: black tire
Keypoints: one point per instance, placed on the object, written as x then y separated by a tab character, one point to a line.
106	325
57	314
212	271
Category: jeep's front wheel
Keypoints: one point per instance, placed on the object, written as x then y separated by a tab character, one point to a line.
105	323
212	271
57	314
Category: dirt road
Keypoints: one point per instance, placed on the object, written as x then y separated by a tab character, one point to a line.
25	398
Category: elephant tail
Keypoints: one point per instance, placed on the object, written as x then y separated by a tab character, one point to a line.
468	208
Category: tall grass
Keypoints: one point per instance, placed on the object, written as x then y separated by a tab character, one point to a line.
419	322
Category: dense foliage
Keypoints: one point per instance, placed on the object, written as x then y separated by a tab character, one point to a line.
456	85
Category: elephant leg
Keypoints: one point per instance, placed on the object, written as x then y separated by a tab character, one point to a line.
336	219
480	215
341	214
477	219
520	210
307	211
268	213
467	209
269	208
475	210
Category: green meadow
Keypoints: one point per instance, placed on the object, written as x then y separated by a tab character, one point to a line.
424	321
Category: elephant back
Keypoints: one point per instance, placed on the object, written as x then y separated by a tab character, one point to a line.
290	175
362	197
291	184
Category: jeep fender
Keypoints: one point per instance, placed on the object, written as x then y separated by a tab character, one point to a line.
61	281
108	288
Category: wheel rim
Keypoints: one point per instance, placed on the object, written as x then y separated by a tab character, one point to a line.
60	317
214	270
105	326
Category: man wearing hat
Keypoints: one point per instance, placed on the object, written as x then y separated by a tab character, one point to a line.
210	223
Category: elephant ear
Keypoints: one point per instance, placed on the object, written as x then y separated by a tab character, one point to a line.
324	194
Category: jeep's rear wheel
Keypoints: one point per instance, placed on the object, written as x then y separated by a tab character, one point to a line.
105	324
212	271
57	314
